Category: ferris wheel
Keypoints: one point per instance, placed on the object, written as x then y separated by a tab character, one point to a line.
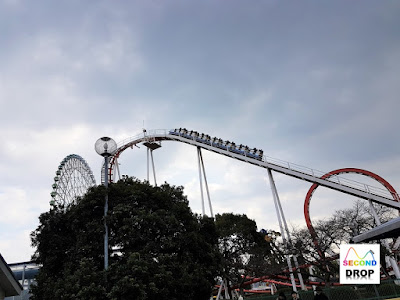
73	178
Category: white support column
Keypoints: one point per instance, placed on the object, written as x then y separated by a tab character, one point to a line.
205	182
312	278
373	211
154	170
23	276
275	197
201	181
148	163
116	166
220	290
226	290
296	263
289	239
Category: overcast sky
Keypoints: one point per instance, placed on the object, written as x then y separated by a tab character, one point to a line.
312	82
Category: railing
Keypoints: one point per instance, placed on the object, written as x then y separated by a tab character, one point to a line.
143	135
336	179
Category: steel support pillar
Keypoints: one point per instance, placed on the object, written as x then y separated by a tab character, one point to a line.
276	200
220	290
289	240
201	182
227	290
150	157
148	161
312	278
116	164
23	275
105	213
154	169
202	170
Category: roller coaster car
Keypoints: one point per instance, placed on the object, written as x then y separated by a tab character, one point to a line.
221	146
234	150
219	143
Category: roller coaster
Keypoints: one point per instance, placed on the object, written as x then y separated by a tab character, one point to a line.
255	157
152	139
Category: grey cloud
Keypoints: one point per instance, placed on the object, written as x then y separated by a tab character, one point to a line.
315	83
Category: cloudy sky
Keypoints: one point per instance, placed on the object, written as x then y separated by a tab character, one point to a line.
315	83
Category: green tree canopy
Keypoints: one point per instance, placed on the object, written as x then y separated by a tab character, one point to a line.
245	251
159	248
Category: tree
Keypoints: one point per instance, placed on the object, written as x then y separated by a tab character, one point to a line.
244	250
334	231
159	248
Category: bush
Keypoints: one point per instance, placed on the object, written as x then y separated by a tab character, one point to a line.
342	292
388	289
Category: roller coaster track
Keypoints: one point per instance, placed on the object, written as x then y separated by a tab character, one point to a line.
354	188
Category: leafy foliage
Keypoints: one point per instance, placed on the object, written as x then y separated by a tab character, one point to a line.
159	248
244	250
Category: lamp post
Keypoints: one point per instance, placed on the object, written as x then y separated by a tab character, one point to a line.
105	147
